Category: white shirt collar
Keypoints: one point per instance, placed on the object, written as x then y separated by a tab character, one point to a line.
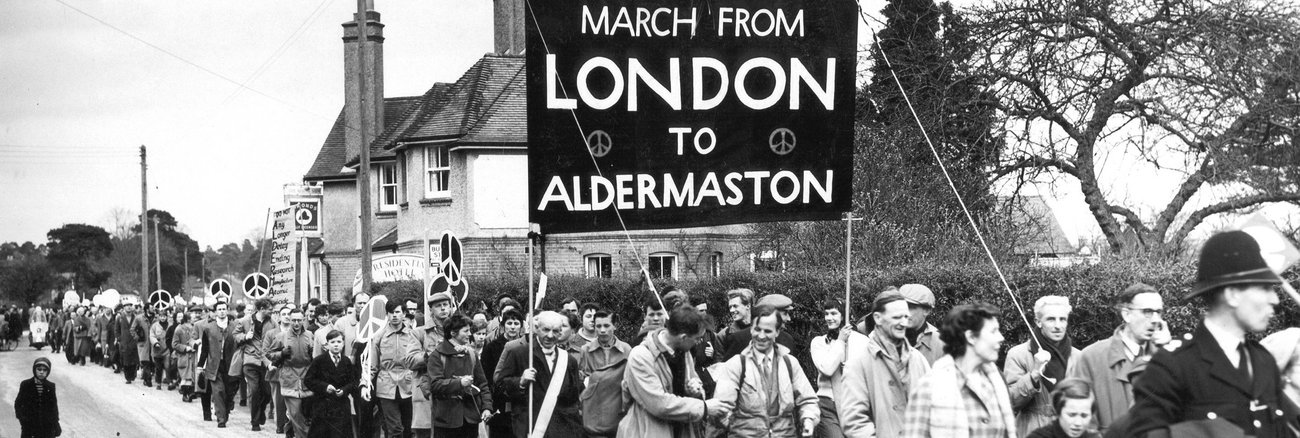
1226	340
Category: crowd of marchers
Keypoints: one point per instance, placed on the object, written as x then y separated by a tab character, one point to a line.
898	371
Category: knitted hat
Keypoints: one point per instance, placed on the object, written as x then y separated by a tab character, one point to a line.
40	361
1231	258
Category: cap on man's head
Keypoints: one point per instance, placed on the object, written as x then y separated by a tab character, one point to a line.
1231	258
917	294
439	297
779	301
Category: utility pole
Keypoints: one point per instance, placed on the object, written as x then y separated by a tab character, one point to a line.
157	254
185	279
144	222
363	174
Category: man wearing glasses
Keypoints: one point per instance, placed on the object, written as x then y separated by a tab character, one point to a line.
1106	364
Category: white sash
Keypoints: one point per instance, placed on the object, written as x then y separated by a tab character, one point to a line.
552	393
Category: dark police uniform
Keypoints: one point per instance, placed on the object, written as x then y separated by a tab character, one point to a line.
1198	382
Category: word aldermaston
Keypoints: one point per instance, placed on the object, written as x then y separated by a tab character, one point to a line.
645	191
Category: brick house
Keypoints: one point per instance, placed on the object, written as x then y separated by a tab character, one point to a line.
456	158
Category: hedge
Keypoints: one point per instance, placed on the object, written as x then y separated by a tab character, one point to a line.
1090	289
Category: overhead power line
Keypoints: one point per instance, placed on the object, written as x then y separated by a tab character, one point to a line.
191	63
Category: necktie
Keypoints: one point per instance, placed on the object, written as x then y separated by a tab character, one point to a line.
1243	361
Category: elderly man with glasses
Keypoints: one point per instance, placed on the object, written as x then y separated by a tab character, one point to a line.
1106	364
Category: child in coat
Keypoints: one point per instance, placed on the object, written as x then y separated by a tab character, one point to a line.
37	406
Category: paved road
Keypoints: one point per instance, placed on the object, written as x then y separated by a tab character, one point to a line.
94	402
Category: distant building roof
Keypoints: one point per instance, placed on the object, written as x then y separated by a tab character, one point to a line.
1038	231
332	156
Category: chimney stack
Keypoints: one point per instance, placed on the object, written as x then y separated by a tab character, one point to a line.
374	98
508	18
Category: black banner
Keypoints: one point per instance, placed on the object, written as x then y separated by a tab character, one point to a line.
695	113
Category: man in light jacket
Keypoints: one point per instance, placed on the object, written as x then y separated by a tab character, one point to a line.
1032	371
659	410
394	353
292	351
250	360
880	370
764	389
603	362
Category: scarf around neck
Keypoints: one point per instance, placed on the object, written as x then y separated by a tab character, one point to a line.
1060	351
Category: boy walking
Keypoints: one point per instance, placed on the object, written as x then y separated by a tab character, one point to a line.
37	406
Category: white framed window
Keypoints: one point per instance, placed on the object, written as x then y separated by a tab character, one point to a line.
316	280
437	176
715	264
600	266
387	187
663	265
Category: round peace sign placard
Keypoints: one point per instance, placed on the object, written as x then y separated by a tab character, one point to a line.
257	286
160	300
220	289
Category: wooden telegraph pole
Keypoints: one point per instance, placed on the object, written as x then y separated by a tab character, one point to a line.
144	222
363	174
157	259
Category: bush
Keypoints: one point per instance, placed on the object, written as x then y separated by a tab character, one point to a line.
1090	289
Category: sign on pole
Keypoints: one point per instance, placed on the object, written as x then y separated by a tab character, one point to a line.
284	258
257	286
691	113
306	217
220	290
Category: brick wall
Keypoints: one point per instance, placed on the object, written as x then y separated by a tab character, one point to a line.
342	270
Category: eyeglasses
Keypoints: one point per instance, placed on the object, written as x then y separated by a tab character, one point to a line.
1147	312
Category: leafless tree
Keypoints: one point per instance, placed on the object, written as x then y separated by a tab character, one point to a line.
1208	87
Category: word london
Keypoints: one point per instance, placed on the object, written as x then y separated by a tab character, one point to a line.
637	192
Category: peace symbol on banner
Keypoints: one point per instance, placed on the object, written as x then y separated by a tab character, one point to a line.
160	300
599	143
220	289
781	141
257	286
372	319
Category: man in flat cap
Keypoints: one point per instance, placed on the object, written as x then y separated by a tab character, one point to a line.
921	334
1219	374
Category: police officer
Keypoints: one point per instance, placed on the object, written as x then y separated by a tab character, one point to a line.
1219	375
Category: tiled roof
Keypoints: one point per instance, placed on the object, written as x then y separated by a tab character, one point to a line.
1040	232
485	105
331	158
434	98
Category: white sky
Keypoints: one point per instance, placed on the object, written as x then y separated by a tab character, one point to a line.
79	98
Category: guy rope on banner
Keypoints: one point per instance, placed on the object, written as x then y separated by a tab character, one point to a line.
583	134
937	159
627	235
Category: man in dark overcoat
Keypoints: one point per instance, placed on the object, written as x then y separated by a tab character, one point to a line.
1218	374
